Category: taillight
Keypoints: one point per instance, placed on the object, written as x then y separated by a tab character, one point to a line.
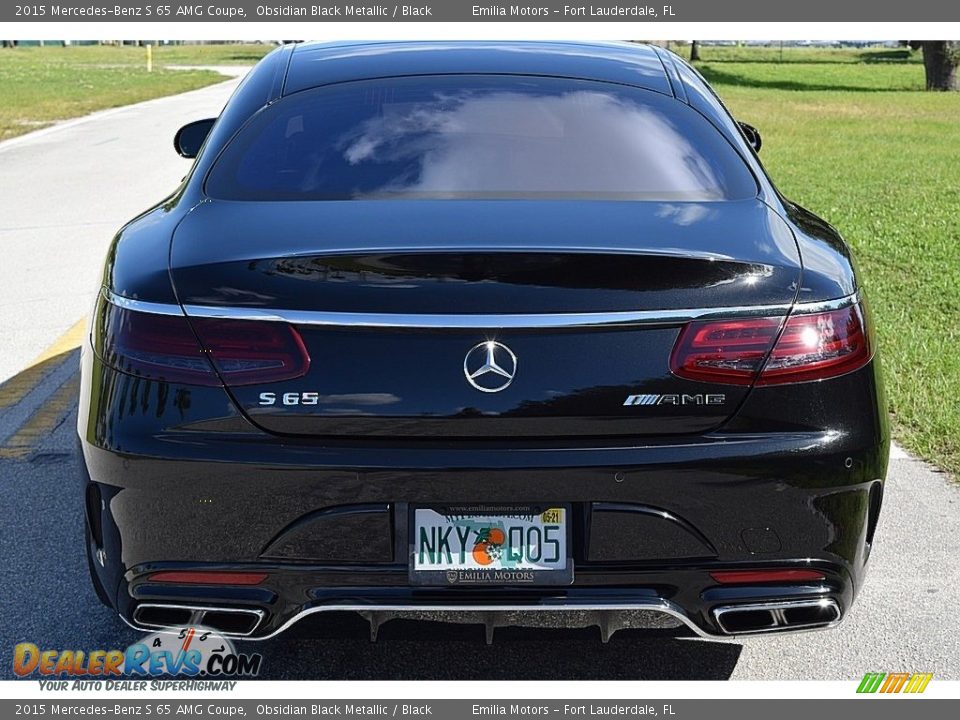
817	346
811	347
250	352
724	351
164	347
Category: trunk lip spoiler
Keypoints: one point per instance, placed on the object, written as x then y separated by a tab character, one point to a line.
464	321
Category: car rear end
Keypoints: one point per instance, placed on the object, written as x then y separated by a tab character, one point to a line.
417	364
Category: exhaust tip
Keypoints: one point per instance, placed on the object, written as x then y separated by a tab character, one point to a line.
242	622
777	616
235	622
162	616
746	620
822	613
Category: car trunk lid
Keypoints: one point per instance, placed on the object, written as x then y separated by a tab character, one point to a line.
399	304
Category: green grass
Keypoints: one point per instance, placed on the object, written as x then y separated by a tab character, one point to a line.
806	55
884	167
241	54
40	85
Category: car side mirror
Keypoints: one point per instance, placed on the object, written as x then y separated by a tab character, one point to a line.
189	139
752	135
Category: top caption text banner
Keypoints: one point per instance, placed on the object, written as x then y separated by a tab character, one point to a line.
467	11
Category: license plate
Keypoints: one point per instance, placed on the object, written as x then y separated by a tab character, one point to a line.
464	545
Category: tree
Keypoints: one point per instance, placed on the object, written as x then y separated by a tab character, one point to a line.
695	51
941	59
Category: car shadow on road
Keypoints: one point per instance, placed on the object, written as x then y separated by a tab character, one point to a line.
338	647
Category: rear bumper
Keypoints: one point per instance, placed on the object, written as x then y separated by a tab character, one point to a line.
170	488
645	534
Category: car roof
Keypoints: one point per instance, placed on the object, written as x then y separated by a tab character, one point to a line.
315	64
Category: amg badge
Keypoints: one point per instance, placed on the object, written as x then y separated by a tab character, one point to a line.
698	399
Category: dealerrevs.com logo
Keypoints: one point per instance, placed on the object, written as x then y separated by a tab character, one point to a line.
193	652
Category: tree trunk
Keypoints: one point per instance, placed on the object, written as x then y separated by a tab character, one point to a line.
695	51
940	61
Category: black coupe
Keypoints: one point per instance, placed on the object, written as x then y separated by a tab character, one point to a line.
479	327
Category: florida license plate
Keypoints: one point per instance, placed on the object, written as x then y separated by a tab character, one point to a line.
467	545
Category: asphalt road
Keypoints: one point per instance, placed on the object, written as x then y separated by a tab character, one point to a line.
65	191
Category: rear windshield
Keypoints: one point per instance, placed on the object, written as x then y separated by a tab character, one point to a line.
479	137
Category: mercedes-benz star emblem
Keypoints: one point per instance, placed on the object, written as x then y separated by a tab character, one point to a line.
490	366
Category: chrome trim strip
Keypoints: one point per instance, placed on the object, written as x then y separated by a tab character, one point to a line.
478	322
199	611
662	606
826	305
140	305
776	611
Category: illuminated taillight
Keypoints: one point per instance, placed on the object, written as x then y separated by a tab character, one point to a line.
251	352
812	346
724	351
818	346
164	347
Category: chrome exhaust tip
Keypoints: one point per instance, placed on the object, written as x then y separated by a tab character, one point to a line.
779	616
230	622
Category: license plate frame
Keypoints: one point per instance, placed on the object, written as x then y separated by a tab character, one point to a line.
472	576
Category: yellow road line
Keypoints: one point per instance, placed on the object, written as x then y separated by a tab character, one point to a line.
68	341
14	390
23	442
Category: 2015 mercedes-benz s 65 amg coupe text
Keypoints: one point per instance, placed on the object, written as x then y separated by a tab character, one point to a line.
479	328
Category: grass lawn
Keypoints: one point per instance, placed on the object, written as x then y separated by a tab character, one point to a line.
40	85
884	167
